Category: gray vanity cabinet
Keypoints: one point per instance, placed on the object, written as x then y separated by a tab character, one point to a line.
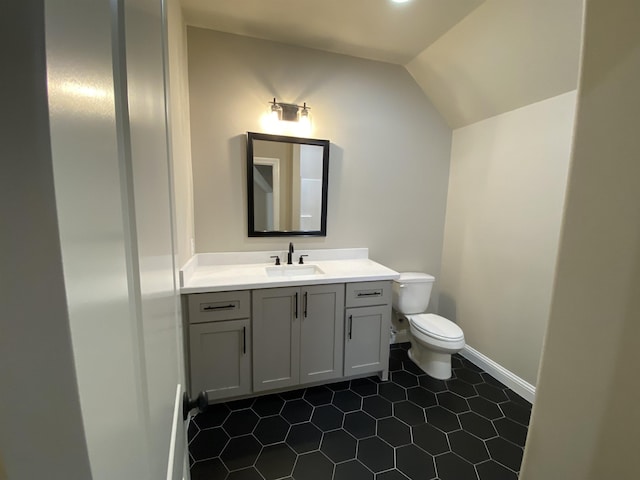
367	321
220	344
276	338
297	335
321	333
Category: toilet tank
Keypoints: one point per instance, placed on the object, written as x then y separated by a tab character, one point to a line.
411	292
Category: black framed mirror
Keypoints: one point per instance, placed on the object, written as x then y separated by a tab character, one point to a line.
287	184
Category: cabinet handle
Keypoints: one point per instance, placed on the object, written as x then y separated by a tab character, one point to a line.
218	307
296	312
350	326
305	304
370	294
244	340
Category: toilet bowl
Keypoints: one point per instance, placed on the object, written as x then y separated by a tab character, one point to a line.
433	338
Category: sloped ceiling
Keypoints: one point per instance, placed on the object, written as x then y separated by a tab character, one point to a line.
474	59
374	29
504	55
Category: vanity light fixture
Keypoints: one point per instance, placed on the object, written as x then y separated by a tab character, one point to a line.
289	112
288	118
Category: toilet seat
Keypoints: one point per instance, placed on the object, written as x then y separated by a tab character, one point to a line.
436	327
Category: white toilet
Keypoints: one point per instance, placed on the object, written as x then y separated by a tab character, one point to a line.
433	338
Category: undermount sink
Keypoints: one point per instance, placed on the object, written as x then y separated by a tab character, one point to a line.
292	270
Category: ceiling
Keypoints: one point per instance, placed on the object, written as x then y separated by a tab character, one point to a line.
374	29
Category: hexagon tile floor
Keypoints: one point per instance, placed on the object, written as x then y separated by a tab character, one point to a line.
411	427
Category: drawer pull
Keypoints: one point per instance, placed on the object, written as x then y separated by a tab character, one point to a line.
208	307
377	293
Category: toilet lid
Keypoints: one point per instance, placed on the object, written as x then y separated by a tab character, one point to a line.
436	326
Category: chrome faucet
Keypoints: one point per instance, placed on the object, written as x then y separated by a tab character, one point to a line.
290	254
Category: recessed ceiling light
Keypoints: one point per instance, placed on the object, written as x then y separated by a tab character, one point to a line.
400	1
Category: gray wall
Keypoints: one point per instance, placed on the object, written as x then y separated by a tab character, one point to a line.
389	155
506	195
586	417
180	134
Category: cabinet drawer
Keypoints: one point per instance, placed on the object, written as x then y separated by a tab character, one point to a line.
211	307
363	294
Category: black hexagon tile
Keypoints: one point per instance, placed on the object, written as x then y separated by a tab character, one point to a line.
245	474
492	470
271	430
240	422
338	446
268	405
468	447
347	401
327	418
409	413
241	452
318	395
208	469
276	461
359	424
394	432
364	387
377	406
452	467
392	391
415	463
352	470
404	379
421	397
430	439
443	419
375	454
297	411
413	426
477	425
313	466
304	437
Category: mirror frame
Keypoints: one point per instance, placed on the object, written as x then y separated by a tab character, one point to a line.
252	232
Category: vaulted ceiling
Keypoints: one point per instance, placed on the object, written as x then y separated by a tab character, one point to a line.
473	58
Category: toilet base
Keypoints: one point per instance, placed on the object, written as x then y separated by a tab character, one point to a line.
434	364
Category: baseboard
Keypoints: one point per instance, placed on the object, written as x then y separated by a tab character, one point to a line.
511	380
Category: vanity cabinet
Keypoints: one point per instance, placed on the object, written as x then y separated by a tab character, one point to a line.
297	335
367	322
219	333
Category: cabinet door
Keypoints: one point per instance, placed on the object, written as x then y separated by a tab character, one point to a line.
367	340
321	338
220	354
276	338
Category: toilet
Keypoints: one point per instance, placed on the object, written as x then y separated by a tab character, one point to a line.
433	338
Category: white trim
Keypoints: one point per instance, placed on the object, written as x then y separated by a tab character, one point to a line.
511	380
274	163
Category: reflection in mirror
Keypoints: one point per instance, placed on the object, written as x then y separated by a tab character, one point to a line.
286	185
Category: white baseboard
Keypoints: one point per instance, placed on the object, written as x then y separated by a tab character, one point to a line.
511	380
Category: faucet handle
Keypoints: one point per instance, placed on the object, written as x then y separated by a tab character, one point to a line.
301	261
277	259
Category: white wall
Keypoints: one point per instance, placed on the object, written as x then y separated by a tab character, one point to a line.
41	431
505	201
504	55
586	418
389	155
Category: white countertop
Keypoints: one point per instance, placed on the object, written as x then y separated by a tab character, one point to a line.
218	272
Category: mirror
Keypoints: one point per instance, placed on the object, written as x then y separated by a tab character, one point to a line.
287	185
